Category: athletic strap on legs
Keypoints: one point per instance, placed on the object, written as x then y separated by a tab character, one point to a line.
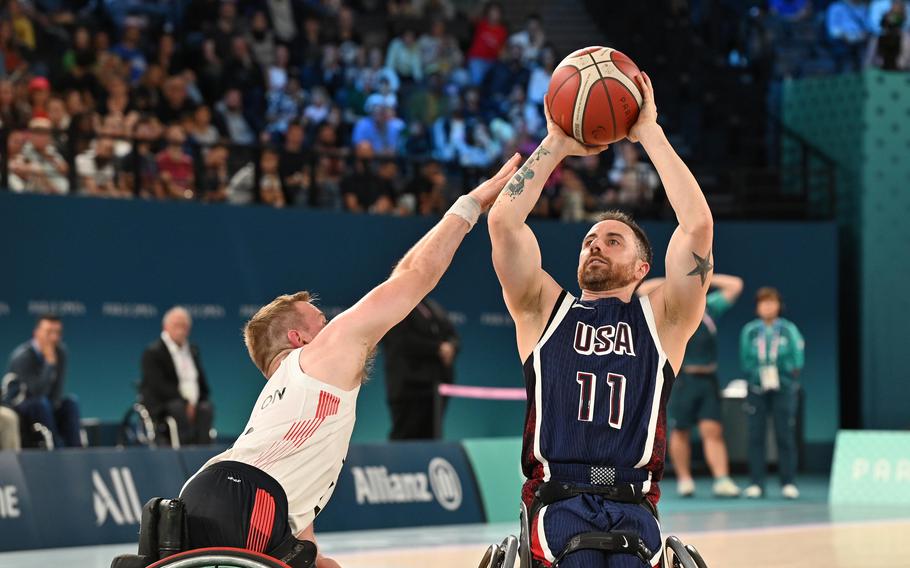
553	491
617	542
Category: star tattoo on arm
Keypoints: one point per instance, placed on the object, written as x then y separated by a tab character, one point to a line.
703	266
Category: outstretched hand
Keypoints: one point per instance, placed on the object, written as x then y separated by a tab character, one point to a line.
485	194
567	145
647	116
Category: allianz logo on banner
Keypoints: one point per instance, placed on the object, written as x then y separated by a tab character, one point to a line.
374	485
121	504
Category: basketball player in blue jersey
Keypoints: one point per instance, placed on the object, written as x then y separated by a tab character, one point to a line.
599	366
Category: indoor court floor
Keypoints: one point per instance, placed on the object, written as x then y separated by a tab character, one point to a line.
769	532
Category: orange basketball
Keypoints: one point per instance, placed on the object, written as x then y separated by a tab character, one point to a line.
593	96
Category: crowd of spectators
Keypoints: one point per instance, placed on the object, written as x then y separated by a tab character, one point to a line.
392	108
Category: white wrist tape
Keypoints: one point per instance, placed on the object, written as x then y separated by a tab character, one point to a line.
467	208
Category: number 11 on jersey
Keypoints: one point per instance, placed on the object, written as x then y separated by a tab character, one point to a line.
588	395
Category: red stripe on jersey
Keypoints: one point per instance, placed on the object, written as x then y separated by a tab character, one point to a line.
262	519
536	548
328	405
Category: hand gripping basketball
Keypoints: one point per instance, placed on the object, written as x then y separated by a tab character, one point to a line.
567	145
647	116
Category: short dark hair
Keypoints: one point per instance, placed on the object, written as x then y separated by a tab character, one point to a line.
53	318
768	293
645	252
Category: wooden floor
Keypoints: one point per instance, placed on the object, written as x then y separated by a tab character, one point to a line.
860	545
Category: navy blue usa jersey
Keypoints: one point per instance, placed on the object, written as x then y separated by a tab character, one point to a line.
598	383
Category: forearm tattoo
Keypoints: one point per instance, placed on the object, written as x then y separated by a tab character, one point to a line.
517	186
703	266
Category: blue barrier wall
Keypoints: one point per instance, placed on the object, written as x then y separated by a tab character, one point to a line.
95	496
111	268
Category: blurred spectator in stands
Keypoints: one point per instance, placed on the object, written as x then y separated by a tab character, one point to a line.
13	52
366	79
317	111
879	8
146	96
130	51
231	119
244	73
278	71
309	50
891	49
39	366
284	106
81	45
284	19
270	192
97	170
772	354
419	355
361	189
261	40
9	429
211	71
215	174
175	167
505	75
539	79
439	51
140	166
425	192
117	98
39	92
573	195
489	37
202	132
331	73
381	129
22	25
790	10
478	149
173	381
293	165
403	56
12	113
168	55
531	40
519	108
175	102
118	129
346	36
60	122
847	33
80	77
322	184
39	166
264	186
635	180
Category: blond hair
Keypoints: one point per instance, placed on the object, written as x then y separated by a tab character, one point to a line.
265	334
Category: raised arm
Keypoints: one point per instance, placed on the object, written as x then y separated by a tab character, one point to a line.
529	292
357	330
680	302
730	286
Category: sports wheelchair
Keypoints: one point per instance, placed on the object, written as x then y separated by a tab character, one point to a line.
163	538
504	555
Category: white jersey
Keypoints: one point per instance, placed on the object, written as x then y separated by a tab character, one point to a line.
299	434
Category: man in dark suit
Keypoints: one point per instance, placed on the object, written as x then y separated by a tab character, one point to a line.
173	382
419	353
35	389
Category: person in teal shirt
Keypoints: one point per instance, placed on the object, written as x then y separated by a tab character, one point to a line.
772	353
696	394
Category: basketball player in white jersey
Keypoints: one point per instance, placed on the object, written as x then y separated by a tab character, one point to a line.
264	492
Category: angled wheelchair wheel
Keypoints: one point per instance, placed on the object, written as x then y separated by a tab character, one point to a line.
681	555
221	557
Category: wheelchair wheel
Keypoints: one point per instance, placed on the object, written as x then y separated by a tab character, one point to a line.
221	557
681	555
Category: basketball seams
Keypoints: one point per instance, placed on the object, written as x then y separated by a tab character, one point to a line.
607	92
